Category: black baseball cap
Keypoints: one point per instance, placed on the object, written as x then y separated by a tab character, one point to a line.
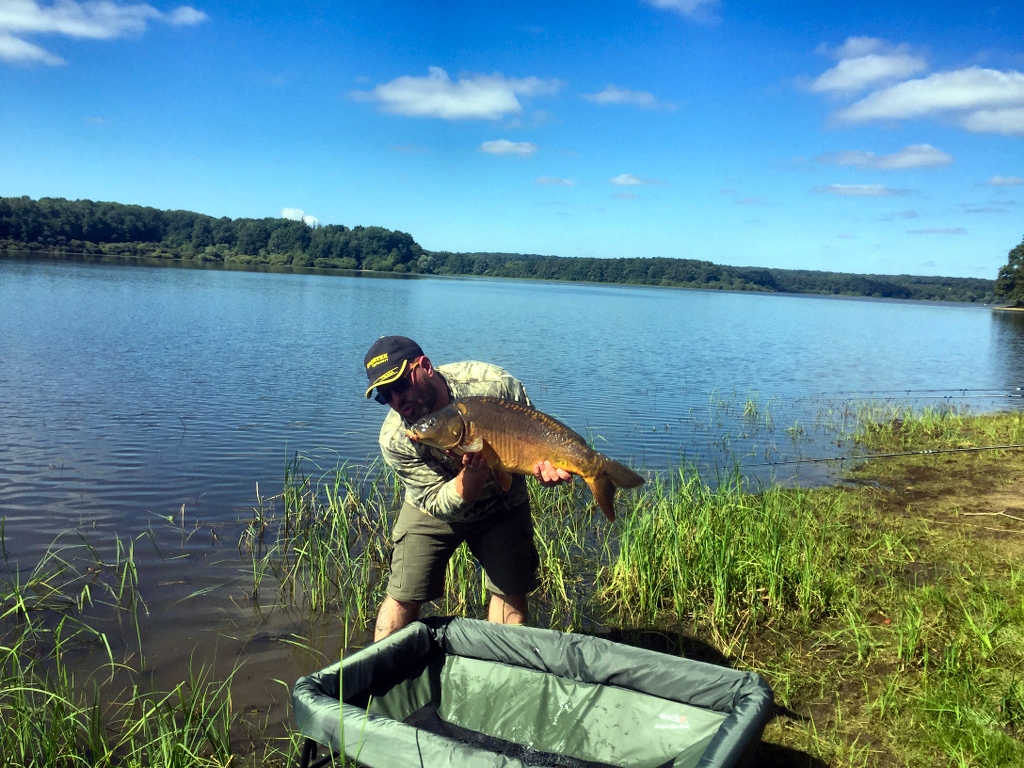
387	360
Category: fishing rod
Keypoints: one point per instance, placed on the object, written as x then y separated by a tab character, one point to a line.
908	391
891	397
917	394
865	457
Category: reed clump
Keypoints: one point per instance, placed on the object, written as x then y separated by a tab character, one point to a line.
726	561
887	613
55	716
891	632
324	539
894	427
719	560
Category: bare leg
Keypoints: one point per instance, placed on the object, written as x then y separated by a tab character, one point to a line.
393	615
508	609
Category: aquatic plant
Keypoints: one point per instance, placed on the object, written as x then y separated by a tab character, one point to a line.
54	717
891	634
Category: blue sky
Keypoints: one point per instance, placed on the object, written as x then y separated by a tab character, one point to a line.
867	137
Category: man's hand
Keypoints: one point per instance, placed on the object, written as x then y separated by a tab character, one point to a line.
470	481
548	475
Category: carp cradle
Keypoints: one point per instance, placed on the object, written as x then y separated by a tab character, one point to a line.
461	692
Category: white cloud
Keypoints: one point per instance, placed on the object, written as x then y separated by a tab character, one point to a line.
96	20
487	97
506	147
1005	181
996	208
612	94
1009	122
554	181
911	156
938	231
17	50
629	180
186	15
855	46
297	214
979	99
992	100
860	190
864	61
699	10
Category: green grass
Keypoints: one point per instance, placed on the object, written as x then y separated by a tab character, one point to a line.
888	427
53	716
724	562
890	627
818	589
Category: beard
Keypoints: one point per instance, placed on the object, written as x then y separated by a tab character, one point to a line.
423	403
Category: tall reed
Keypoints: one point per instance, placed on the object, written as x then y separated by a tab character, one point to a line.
55	717
723	559
326	545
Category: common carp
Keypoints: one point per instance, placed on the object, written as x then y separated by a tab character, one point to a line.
514	438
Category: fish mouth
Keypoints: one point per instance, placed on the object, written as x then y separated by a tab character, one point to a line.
411	435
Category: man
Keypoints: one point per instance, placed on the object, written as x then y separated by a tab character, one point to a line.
449	499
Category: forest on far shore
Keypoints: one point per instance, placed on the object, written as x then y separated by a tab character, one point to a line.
55	227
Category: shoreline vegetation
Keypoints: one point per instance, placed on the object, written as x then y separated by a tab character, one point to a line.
83	229
887	611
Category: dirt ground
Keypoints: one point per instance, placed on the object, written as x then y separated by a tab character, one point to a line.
976	499
982	493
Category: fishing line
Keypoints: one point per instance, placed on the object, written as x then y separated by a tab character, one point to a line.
909	391
889	455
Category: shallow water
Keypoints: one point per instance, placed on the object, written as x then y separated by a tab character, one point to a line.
127	393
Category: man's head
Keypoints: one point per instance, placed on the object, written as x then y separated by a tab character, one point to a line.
403	377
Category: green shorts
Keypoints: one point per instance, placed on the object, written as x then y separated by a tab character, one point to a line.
502	543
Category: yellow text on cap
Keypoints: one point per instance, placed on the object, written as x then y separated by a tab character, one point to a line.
378	360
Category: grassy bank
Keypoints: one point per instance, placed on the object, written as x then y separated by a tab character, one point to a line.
887	612
53	714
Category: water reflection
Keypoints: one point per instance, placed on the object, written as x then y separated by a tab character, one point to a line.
1007	347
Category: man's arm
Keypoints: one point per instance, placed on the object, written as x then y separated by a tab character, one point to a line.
442	496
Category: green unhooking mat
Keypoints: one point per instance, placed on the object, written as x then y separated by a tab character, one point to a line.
459	692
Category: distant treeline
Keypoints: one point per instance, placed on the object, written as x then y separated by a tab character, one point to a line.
75	228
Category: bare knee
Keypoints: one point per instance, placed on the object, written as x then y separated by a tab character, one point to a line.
508	609
393	615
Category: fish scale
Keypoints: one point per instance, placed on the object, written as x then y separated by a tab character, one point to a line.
515	438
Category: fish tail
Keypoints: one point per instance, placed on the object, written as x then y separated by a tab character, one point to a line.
621	475
604	494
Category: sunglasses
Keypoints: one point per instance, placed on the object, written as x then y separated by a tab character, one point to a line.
384	394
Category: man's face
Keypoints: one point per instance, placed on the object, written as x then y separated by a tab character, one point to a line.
414	395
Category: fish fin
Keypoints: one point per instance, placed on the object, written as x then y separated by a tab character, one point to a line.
475	447
604	494
501	475
621	475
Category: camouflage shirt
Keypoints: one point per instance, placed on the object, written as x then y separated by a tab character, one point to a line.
428	474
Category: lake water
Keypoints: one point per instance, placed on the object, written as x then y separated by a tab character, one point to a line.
127	392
